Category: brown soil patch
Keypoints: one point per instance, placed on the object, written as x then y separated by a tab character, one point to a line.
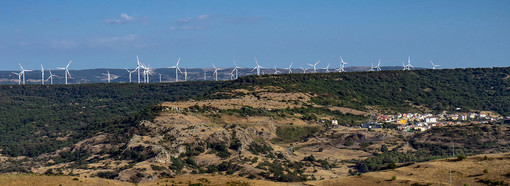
346	110
235	103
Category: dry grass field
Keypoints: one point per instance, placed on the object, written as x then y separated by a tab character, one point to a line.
475	170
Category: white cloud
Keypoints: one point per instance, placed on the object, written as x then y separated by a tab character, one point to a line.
124	18
204	17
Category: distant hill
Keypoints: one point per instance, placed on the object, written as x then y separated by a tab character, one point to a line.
167	75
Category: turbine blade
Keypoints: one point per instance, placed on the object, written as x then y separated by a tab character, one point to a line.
69	64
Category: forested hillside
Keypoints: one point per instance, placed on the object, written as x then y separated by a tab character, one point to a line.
36	119
449	89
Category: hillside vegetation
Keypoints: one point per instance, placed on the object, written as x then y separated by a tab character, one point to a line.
402	91
40	119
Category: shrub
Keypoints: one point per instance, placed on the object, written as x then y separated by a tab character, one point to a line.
107	174
310	158
461	157
259	149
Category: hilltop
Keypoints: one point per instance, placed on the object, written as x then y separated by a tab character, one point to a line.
167	75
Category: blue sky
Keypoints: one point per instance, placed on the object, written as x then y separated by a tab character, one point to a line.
109	34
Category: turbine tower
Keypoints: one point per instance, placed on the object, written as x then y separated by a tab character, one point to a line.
215	72
108	72
66	70
205	75
177	70
42	74
185	75
138	66
434	65
159	77
342	65
258	67
314	65
290	68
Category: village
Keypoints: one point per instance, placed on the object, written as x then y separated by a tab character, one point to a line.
422	122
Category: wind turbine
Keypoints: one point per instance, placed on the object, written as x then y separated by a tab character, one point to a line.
22	73
205	75
130	72
159	77
342	65
304	70
51	77
177	69
409	66
258	67
314	65
371	67
327	68
276	70
215	72
108	72
379	66
42	74
236	69
290	68
434	65
19	77
148	72
66	72
404	66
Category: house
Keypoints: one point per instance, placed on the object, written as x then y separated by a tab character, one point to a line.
430	120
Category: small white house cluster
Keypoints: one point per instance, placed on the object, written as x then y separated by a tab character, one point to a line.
422	122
